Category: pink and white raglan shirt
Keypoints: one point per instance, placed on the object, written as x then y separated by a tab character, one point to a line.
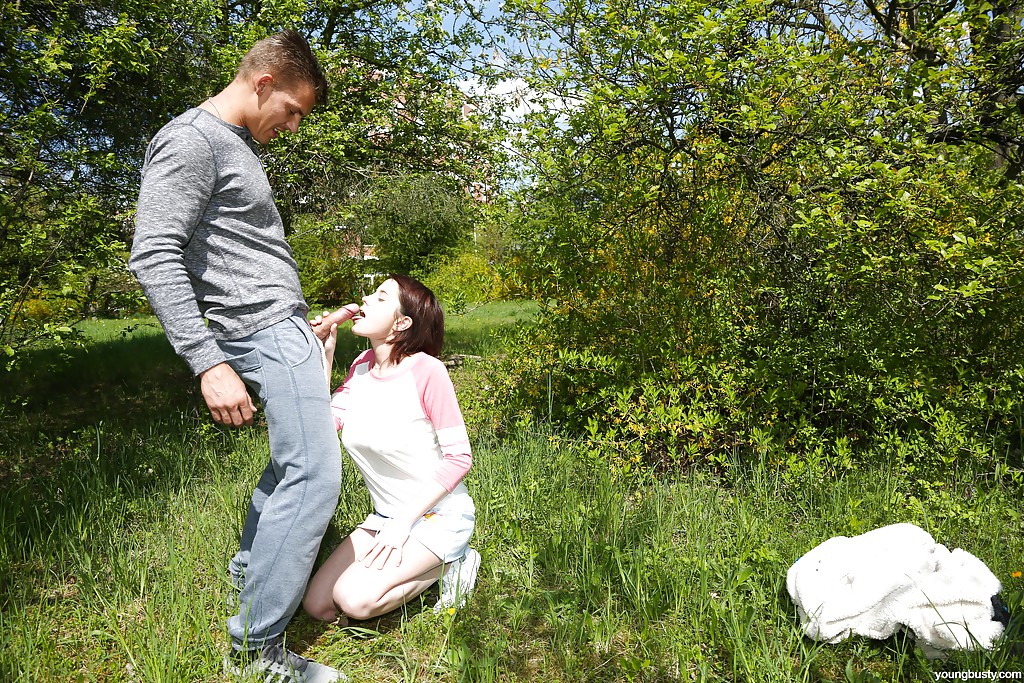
404	429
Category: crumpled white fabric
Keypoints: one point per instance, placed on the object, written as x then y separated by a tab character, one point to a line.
893	577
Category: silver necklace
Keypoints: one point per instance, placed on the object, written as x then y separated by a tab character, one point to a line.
210	100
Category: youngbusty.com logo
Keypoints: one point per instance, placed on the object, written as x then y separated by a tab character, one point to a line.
978	675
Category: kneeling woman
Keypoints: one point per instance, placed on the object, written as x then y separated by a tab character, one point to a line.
401	424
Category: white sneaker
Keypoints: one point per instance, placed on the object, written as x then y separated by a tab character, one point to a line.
458	581
276	664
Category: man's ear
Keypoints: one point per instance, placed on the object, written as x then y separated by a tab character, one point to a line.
262	81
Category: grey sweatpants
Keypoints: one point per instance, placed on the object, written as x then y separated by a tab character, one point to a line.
298	492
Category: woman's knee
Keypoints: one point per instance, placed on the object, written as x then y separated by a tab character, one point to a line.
320	606
354	603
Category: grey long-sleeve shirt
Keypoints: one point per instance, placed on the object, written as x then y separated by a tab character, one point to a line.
209	241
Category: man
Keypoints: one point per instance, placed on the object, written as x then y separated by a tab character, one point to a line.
209	243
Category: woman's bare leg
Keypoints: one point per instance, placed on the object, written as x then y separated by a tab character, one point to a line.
344	583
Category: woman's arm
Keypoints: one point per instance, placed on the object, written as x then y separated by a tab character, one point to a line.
340	396
325	327
390	540
441	406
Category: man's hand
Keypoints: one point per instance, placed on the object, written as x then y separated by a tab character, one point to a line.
226	396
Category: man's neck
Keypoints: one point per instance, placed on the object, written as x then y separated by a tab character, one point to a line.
227	105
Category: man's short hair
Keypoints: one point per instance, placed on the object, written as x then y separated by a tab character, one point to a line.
286	56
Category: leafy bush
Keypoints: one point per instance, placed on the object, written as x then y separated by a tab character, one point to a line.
719	414
748	240
72	137
818	342
402	224
415	220
464	281
329	256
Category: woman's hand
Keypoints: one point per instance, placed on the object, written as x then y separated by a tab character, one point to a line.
322	323
331	342
388	544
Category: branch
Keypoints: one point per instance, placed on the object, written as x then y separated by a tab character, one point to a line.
928	55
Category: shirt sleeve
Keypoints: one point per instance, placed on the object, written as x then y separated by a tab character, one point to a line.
441	406
341	395
177	184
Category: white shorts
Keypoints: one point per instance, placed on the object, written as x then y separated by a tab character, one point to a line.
444	534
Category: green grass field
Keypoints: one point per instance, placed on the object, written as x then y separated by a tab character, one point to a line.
122	504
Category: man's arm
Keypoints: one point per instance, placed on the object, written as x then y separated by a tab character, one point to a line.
177	184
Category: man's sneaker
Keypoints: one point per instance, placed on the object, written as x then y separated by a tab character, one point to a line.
276	664
458	581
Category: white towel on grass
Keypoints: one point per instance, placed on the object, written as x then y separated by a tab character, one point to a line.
890	578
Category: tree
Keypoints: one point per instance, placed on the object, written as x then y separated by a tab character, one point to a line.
84	86
416	221
73	79
404	224
800	221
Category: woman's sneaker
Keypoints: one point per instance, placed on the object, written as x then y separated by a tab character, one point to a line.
276	664
458	581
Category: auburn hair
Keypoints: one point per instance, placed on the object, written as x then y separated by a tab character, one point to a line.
426	333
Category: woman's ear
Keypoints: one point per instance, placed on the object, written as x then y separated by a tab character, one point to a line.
403	323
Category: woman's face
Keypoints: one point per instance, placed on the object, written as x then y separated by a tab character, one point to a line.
379	315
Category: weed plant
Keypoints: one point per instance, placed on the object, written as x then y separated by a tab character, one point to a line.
123	504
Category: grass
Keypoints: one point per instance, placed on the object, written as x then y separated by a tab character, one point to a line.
123	503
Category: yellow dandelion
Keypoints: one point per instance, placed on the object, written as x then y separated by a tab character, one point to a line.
1015	575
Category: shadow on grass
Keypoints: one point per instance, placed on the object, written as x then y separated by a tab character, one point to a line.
131	381
92	439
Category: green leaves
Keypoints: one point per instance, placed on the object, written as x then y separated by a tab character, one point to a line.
805	209
81	89
84	87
